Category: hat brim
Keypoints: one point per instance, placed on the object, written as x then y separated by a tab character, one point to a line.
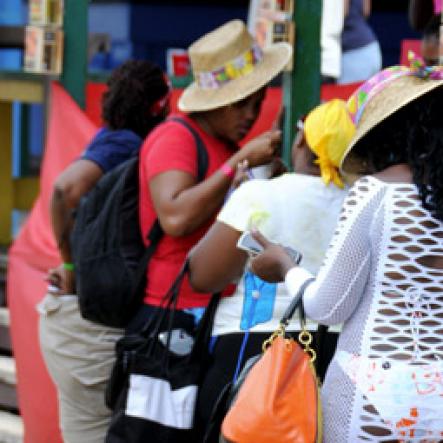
388	101
196	99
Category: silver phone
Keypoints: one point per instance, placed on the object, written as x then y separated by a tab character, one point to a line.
248	243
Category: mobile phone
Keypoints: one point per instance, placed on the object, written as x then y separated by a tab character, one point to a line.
294	254
249	244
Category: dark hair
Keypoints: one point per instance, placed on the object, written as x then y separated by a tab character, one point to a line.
132	89
413	135
432	29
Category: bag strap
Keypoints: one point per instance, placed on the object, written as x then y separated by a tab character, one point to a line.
169	300
204	328
296	303
202	153
156	233
154	236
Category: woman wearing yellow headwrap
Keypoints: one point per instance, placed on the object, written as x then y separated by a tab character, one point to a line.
295	209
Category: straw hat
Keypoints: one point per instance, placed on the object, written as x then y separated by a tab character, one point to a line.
380	97
228	66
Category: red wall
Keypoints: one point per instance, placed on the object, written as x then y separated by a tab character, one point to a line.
269	110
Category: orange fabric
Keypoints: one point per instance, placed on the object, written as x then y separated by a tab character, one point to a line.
30	256
278	400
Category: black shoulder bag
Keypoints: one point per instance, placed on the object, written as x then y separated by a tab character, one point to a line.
153	389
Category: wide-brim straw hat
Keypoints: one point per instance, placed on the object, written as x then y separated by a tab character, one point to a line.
228	66
392	97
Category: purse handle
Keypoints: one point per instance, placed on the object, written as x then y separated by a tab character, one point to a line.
305	337
296	302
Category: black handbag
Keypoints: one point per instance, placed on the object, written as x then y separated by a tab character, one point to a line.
153	390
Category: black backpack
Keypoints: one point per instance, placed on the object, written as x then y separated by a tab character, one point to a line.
108	251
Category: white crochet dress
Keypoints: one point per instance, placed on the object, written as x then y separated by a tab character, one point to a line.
380	278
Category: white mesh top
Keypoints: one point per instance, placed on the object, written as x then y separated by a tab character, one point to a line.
383	278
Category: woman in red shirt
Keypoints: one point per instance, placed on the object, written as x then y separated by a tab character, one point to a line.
231	73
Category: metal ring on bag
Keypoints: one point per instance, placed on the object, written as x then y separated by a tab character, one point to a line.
305	337
312	354
280	332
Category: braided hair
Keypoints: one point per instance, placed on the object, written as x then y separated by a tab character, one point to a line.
133	88
412	135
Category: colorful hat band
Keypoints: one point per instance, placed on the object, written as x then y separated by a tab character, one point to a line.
238	67
419	68
360	98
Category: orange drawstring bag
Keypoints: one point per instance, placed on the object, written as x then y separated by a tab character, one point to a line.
279	399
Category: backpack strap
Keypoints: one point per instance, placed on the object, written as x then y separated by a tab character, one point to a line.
202	153
156	232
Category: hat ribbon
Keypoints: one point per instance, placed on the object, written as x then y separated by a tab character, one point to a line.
419	69
233	69
360	98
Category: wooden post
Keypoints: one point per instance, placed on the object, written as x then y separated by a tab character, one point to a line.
301	87
6	184
75	26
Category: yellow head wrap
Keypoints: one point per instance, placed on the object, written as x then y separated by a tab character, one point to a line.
328	131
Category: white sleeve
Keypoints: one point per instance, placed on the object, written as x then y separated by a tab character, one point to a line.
340	283
246	207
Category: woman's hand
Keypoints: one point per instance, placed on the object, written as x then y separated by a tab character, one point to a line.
273	263
241	174
262	149
60	281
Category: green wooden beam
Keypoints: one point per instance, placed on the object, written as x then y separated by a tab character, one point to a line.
302	86
75	57
6	186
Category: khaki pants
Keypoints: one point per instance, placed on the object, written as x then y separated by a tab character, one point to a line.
79	355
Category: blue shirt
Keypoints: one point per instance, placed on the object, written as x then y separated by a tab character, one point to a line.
109	148
356	31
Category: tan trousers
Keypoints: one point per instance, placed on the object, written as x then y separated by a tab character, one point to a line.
79	355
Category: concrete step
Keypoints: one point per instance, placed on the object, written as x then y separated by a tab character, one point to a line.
11	428
5	340
3	259
8	381
2	289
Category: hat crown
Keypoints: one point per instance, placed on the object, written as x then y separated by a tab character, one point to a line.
220	46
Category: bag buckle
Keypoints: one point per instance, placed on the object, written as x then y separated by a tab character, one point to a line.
279	332
305	339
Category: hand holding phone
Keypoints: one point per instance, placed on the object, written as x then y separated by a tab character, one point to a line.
249	244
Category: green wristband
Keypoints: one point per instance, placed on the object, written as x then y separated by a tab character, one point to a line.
68	266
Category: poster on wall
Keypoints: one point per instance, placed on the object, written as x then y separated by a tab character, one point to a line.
43	49
270	21
46	12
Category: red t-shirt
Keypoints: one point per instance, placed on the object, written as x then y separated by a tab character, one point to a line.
170	146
